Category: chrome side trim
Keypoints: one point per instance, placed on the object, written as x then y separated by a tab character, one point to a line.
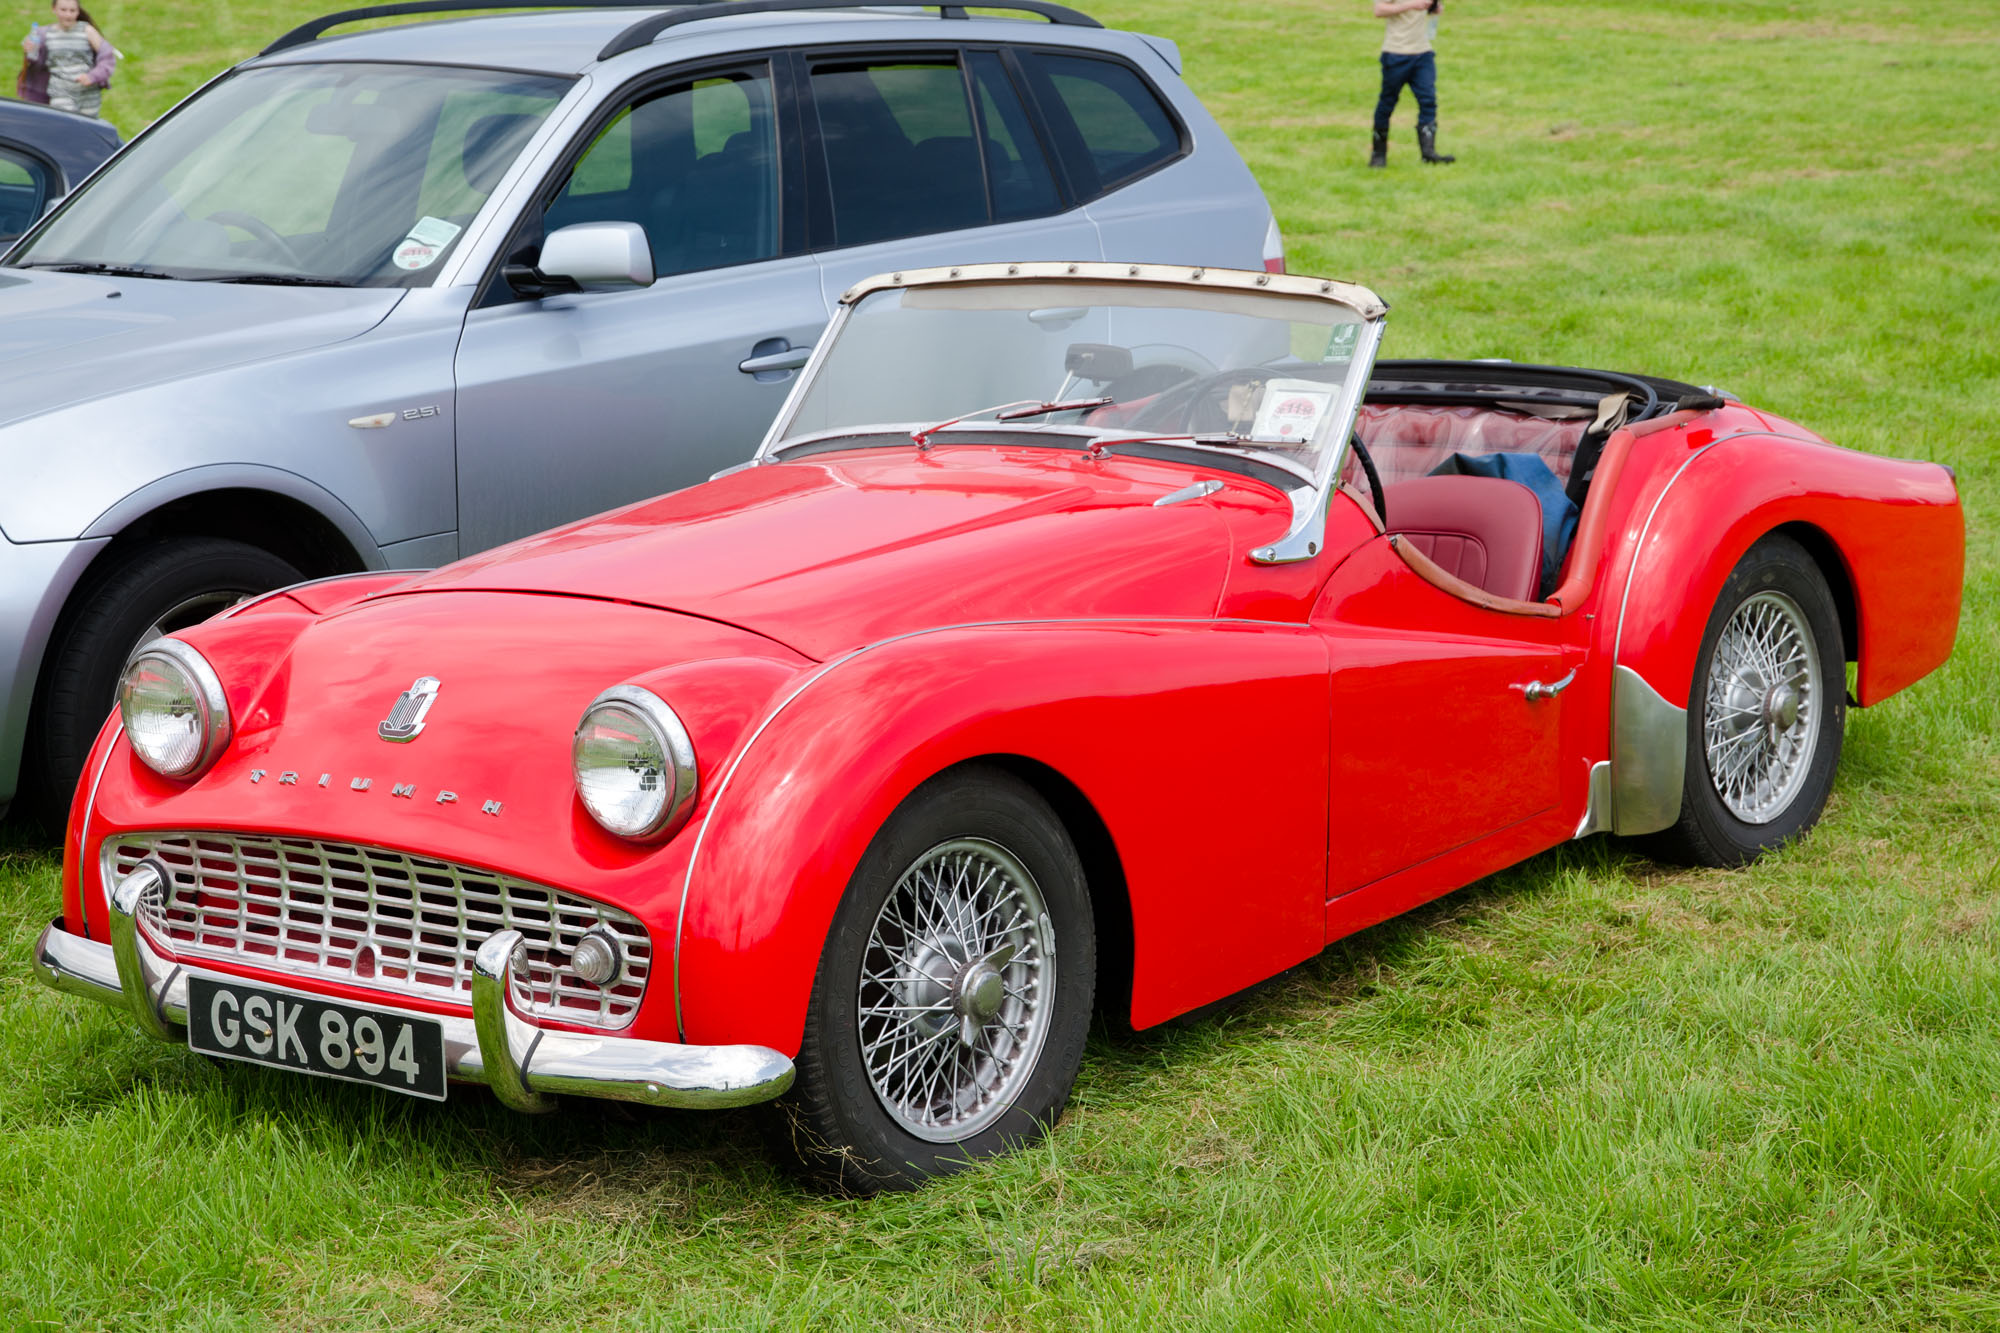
655	1073
1648	755
83	825
1597	811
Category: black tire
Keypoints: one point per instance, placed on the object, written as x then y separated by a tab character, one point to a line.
835	1122
171	584
1734	819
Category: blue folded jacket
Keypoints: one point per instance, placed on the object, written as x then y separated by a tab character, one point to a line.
1559	512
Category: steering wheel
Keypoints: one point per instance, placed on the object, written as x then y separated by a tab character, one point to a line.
1198	407
262	230
1374	477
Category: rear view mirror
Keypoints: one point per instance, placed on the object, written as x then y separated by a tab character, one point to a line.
1098	362
598	256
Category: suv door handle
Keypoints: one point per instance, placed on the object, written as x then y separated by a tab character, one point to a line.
774	354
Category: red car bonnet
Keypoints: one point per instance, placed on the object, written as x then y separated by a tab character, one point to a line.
828	553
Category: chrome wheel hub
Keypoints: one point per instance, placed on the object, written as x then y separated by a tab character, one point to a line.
956	987
1760	722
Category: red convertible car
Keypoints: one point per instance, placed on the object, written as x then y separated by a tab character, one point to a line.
1081	633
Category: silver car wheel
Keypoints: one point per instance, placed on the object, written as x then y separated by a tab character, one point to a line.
956	986
1762	708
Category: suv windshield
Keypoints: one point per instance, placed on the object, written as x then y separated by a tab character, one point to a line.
1258	372
348	175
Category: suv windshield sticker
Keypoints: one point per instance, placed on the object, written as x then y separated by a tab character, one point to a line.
420	248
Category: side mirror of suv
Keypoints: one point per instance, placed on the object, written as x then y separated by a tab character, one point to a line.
587	257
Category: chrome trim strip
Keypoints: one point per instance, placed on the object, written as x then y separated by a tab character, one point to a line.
1648	755
1307	533
83	825
1352	295
654	1073
263	597
722	787
807	373
1597	810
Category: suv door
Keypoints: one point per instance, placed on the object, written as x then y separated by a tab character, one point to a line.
923	156
571	404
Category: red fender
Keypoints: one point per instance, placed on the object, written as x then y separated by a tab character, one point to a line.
1895	527
1200	745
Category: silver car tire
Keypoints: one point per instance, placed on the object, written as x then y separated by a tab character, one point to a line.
954	995
1766	713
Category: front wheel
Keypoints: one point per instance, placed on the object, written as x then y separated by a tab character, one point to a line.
1766	714
952	1001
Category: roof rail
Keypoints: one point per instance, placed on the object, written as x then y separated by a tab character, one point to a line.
645	30
306	32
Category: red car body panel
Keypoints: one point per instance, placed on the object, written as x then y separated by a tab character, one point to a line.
1276	754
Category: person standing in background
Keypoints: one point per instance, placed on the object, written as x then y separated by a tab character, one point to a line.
68	63
1407	57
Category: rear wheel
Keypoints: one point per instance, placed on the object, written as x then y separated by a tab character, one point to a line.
1766	714
954	995
154	589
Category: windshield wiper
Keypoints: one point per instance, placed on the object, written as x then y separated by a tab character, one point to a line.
105	270
1015	411
279	280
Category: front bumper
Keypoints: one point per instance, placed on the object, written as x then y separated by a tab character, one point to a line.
523	1063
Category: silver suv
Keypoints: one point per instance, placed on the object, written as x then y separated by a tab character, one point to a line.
387	299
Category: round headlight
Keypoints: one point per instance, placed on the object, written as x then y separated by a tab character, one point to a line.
175	714
634	764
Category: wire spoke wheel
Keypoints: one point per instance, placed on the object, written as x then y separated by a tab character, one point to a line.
956	991
1761	722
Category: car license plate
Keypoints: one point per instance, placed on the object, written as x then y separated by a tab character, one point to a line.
287	1030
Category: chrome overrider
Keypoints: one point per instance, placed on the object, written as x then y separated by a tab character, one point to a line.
525	1064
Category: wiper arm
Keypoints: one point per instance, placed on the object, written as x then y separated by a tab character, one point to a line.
105	270
279	280
1015	411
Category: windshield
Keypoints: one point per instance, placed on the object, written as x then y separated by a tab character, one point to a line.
1252	371
346	175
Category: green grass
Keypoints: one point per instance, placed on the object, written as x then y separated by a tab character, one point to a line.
1590	1092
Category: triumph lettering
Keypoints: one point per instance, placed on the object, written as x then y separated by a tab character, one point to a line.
360	784
407	790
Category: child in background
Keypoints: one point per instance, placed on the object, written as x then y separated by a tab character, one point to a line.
69	62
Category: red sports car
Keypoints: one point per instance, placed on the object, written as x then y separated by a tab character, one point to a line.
1080	633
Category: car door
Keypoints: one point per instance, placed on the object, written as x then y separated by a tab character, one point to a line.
571	404
1442	755
927	156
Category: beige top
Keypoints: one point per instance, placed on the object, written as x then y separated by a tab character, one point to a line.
1407	33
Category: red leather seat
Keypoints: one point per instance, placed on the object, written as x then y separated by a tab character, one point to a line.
1481	529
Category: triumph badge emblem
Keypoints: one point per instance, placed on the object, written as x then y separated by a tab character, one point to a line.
406	719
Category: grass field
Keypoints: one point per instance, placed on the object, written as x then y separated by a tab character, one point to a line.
1588	1093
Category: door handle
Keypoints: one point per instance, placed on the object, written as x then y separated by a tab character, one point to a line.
1534	689
765	358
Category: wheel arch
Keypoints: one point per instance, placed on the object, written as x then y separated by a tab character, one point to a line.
1103	875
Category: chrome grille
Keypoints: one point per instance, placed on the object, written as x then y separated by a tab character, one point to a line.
378	918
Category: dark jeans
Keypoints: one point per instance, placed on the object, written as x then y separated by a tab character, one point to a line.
1421	73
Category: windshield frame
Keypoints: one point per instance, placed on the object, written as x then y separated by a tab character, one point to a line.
465	261
1311	487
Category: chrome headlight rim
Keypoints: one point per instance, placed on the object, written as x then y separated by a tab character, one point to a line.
675	744
216	725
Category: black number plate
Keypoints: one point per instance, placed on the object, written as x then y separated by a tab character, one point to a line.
312	1036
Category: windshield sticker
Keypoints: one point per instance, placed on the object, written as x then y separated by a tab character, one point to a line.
434	231
425	242
1290	412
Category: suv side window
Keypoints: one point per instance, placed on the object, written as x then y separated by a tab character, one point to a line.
696	165
24	185
926	143
1109	125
